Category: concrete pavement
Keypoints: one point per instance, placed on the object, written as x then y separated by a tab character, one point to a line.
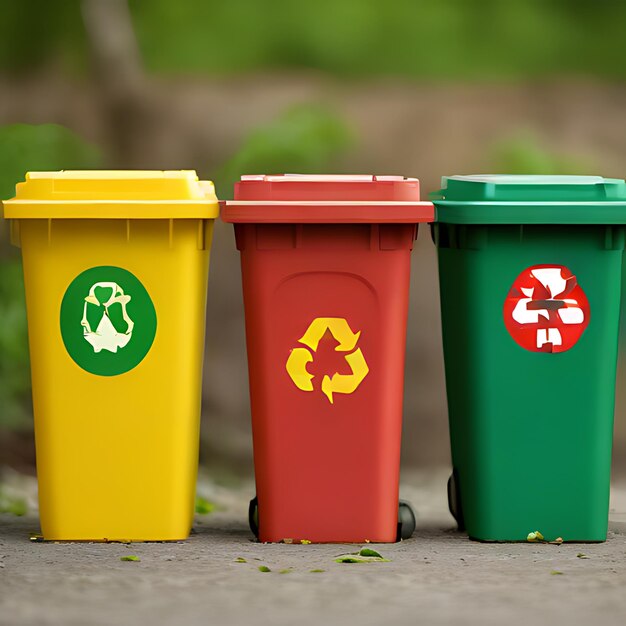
438	577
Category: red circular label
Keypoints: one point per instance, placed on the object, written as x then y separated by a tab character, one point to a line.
546	309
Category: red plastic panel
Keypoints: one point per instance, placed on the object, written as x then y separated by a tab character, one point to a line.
327	200
326	310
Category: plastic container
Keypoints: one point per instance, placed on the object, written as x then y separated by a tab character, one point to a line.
115	269
325	265
530	270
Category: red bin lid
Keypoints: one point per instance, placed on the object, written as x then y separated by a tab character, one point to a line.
327	199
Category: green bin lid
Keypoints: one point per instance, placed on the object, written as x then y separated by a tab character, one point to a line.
515	199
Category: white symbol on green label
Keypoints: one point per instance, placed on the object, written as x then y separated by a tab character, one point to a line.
109	334
108	321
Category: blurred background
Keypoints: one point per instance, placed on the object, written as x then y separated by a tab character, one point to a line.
334	86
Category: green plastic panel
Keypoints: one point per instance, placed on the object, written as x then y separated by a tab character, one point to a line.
531	432
509	199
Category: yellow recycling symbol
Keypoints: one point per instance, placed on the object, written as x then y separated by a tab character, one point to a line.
337	383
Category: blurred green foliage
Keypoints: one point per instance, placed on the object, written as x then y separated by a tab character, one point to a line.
25	147
36	33
204	506
14	505
22	148
442	39
422	38
524	153
307	139
14	367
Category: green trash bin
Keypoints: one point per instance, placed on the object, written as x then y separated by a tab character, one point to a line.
530	278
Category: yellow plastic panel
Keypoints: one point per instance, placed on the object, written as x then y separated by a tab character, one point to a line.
116	399
117	455
113	194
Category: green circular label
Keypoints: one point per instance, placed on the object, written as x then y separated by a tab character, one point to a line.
108	321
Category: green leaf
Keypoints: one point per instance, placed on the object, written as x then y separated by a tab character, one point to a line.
348	558
369	552
240	559
358	557
580	555
317	571
130	557
204	506
556	573
287	570
264	568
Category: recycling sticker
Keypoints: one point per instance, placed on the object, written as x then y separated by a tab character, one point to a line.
347	344
546	310
108	321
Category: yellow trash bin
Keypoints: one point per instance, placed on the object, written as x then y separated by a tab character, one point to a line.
115	270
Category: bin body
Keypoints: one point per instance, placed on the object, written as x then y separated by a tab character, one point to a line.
326	309
116	430
530	398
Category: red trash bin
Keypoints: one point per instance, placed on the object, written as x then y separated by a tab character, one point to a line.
325	265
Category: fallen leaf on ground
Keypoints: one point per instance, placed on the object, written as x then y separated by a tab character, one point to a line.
534	536
555	572
580	555
287	570
305	542
317	571
365	555
264	568
130	557
240	559
369	552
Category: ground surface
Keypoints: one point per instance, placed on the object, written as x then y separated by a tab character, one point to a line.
438	577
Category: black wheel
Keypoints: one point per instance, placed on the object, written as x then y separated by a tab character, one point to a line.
406	521
454	500
253	516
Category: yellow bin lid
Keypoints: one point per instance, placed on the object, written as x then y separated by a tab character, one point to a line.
113	195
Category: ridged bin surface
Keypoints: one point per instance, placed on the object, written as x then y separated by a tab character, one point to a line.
531	432
117	454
